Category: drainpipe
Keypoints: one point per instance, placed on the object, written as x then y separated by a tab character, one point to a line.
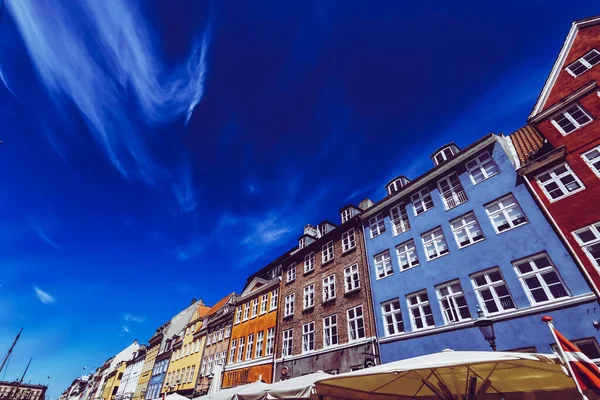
562	236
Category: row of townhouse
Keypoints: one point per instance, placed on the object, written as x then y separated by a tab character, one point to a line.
506	229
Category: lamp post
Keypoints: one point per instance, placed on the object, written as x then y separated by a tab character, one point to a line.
486	327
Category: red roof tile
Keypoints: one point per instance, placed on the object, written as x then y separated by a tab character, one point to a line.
220	304
526	141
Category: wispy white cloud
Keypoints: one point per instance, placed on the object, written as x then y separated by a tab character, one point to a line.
43	296
125	329
133	318
35	226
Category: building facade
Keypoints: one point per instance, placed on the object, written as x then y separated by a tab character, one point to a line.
131	375
112	365
325	318
463	237
16	391
154	345
252	345
564	173
113	381
216	330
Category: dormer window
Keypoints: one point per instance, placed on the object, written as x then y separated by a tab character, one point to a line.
396	184
586	62
346	214
323	229
302	242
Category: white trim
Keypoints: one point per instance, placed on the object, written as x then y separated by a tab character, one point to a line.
589	164
509	314
328	349
251	363
566	113
558	181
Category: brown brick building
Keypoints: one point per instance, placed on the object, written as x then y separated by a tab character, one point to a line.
325	317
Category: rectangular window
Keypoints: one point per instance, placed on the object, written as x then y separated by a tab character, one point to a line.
231	352
422	201
287	347
383	265
302	242
584	63
270	341
392	317
348	240
407	255
264	299
308	337
399	219
240	355
193	370
238	315
451	191
260	336
246	311
540	279
249	346
351	278
492	292
356	324
571	119
559	182
211	362
227	331
329	288
274	297
376	225
452	301
481	168
505	214
346	215
289	305
309	297
435	243
592	158
221	334
330	332
204	364
309	262
420	310
327	252
589	240
291	273
466	230
208	342
187	350
254	307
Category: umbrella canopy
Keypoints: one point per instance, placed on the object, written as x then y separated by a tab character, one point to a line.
229	394
175	396
451	375
296	388
215	383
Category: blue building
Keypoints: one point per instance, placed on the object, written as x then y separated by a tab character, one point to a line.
466	236
159	372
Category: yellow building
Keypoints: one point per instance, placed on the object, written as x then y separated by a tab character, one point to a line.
112	382
187	353
153	348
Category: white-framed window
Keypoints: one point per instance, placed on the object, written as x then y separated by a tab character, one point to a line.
505	213
589	240
231	352
193	370
584	63
571	119
254	307
287	347
309	262
249	346
492	292
451	191
407	255
260	337
392	317
240	352
288	308
330	331
308	337
383	264
466	230
435	243
481	168
376	225
443	155
327	252
264	299
238	315
274	298
204	364
559	182
419	308
399	219
291	273
309	296
540	278
351	278
208	342
452	301
302	242
348	240
227	331
270	341
356	324
422	201
592	158
246	311
328	288
346	215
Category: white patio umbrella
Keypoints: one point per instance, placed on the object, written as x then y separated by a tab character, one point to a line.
175	396
451	375
229	394
215	383
301	387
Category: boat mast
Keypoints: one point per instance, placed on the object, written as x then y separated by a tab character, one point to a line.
16	391
10	351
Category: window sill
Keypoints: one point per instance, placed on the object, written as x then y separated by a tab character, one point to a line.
510	229
352	292
486	179
289	282
310	271
438	257
350	250
324	263
409	268
329	300
470	244
383	277
308	309
289	316
563	197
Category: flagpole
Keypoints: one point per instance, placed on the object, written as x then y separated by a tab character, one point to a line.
548	320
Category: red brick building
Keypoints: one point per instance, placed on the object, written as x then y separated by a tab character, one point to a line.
560	149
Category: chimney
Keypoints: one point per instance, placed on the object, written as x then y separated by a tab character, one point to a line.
366	203
310	230
193	301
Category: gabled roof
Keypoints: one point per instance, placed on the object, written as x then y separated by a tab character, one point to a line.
527	141
560	61
220	304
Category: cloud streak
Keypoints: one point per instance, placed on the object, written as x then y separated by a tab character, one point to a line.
133	318
43	296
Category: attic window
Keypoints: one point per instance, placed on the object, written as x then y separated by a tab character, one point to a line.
323	229
346	214
584	63
443	155
302	242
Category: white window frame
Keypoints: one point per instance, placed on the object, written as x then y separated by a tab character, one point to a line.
353	324
327	252
491	286
420	305
466	225
583	61
308	337
287	343
539	274
452	299
435	237
346	215
254	307
399	218
505	202
240	352
455	195
264	300
404	250
420	198
302	242
348	240
270	347
567	113
328	288
308	298
291	273
260	337
309	262
249	346
554	178
288	308
477	163
391	314
351	278
274	298
376	225
238	315
227	334
246	312
594	229
383	264
590	163
330	331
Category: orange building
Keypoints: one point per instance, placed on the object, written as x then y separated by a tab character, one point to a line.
252	344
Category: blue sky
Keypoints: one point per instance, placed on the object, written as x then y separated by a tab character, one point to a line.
158	151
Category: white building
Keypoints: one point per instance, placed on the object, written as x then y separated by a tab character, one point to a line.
131	375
